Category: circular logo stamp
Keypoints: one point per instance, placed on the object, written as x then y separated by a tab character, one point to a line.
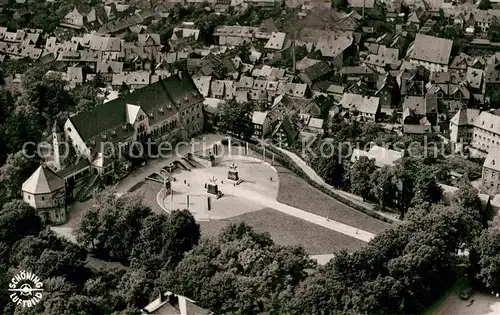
26	289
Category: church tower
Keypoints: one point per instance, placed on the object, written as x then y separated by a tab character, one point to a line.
57	143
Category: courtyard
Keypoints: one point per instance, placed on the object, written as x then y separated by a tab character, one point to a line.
268	197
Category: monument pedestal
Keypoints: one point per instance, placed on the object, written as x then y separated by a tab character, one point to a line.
212	160
168	187
212	189
233	175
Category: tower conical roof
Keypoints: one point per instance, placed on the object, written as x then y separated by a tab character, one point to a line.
43	181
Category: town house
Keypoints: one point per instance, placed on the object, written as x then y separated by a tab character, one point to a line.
431	52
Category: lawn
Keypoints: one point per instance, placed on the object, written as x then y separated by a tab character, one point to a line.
296	192
288	230
147	190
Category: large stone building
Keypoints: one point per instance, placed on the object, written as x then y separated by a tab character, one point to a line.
480	130
491	172
168	110
46	192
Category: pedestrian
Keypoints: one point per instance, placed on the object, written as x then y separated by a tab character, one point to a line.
222	182
189	185
270	179
184	181
205	185
234	184
327	219
357	232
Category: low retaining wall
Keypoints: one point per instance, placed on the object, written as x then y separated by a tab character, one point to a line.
287	162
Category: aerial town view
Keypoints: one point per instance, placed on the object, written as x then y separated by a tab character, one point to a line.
194	157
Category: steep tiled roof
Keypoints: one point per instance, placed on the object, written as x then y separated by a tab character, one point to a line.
431	49
362	3
334	44
259	117
172	94
474	77
465	117
360	103
493	159
43	181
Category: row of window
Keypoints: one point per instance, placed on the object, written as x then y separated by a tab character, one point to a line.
192	119
493	174
190	110
492	185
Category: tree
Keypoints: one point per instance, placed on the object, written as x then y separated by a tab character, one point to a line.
341	5
48	256
400	271
467	197
484	5
426	188
163	240
86	96
115	232
237	119
242	272
88	232
328	165
360	174
17	220
405	175
16	170
494	32
71	157
330	170
382	186
488	249
136	288
46	93
370	132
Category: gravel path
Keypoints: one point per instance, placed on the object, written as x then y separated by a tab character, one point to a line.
296	192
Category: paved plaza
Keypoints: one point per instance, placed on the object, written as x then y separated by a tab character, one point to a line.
258	190
258	179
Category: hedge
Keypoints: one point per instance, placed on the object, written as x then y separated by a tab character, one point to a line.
287	162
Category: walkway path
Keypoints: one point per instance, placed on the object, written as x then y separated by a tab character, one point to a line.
268	202
315	177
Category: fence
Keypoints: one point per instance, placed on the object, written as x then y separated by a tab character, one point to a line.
287	162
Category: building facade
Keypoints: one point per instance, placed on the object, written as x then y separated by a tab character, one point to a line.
491	172
168	110
480	130
45	191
